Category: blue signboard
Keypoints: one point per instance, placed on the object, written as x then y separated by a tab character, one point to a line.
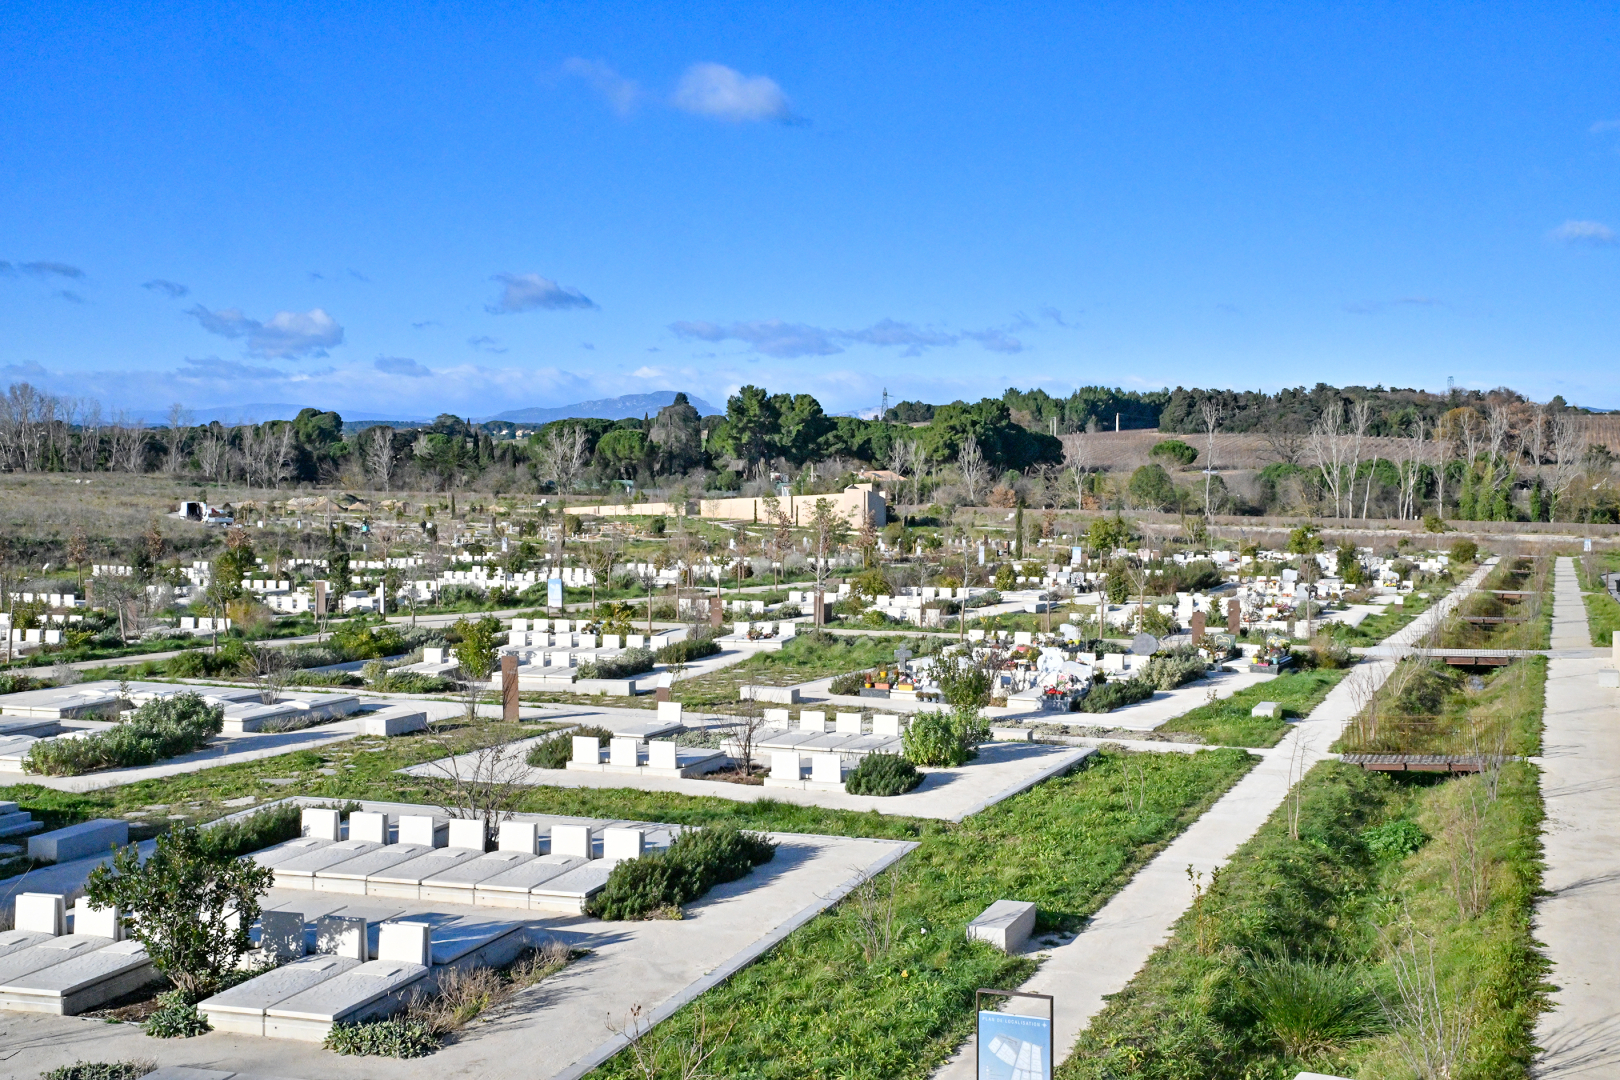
1014	1047
554	593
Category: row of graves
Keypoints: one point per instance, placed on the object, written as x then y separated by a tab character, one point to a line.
370	913
550	652
83	709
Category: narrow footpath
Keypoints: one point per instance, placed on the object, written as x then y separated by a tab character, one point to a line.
1579	921
1102	959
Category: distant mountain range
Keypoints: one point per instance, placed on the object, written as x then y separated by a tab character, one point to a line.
619	408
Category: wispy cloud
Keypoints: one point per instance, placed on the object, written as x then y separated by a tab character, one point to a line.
400	365
213	369
1373	307
1591	233
172	289
531	292
786	341
724	93
485	343
287	335
621	94
70	296
53	269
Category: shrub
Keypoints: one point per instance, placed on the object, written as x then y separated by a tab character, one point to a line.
694	863
1394	840
555	751
176	1019
190	904
944	739
630	662
849	683
159	729
260	829
883	774
1463	551
684	652
962	682
1169	672
101	1070
400	1037
1311	1007
1105	697
1175	452
16	684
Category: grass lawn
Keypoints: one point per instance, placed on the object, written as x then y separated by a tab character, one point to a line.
1427	707
1603	616
1227	722
821	1006
1375	628
808	656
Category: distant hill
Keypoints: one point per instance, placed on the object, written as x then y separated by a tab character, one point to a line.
619	408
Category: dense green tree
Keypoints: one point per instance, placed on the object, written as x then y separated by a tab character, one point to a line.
1151	486
677	434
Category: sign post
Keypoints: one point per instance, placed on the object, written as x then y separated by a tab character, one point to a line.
1012	1046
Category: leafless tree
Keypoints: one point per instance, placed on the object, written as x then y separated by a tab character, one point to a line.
269	669
128	445
179	419
379	453
1077	456
1329	447
970	462
874	910
828	531
685	1057
562	457
750	721
211	454
1568	445
1210	410
1286	441
1432	1027
482	784
280	458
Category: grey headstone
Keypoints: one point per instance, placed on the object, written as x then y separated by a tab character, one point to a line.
1144	645
281	934
341	935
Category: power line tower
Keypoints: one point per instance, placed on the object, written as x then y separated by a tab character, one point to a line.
884	411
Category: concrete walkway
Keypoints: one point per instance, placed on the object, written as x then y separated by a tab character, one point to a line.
1579	921
1120	938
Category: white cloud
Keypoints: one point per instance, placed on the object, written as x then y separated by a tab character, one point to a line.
1582	232
621	94
287	335
784	340
401	365
715	90
528	292
172	289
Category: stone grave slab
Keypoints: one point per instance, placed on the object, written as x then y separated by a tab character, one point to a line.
48	953
403	881
482	940
350	877
17	940
80	841
511	888
457	885
273	857
377	988
569	892
241	1008
299	873
81	982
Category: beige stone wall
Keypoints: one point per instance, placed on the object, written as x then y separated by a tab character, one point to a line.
853	503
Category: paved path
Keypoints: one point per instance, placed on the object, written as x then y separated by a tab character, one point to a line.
1119	939
1579	921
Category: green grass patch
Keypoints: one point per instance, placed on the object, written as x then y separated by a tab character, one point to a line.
1602	616
806	657
1227	722
1326	917
837	1000
1428	707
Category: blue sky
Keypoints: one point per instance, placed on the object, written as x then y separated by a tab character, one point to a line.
404	209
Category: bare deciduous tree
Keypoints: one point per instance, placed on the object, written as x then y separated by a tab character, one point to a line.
970	462
1210	410
379	454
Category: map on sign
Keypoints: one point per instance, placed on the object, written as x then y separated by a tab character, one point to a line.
1014	1047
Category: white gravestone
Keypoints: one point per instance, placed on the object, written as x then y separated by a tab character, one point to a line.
784	765
622	843
405	942
468	833
281	934
571	840
40	913
371	827
521	836
342	935
321	824
419	829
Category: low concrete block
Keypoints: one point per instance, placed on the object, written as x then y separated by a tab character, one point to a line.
422	829
104	922
511	888
350	877
40	913
1006	924
468	833
81	982
1266	708
570	892
80	841
523	836
342	936
322	824
375	989
281	934
367	826
394	721
459	884
780	695
409	942
571	840
622	843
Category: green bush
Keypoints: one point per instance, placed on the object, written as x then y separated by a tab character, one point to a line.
555	751
176	1019
260	829
157	730
883	774
684	652
850	683
694	863
1463	551
944	739
1311	1007
630	662
1169	672
1108	696
1394	840
16	684
100	1070
400	1037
